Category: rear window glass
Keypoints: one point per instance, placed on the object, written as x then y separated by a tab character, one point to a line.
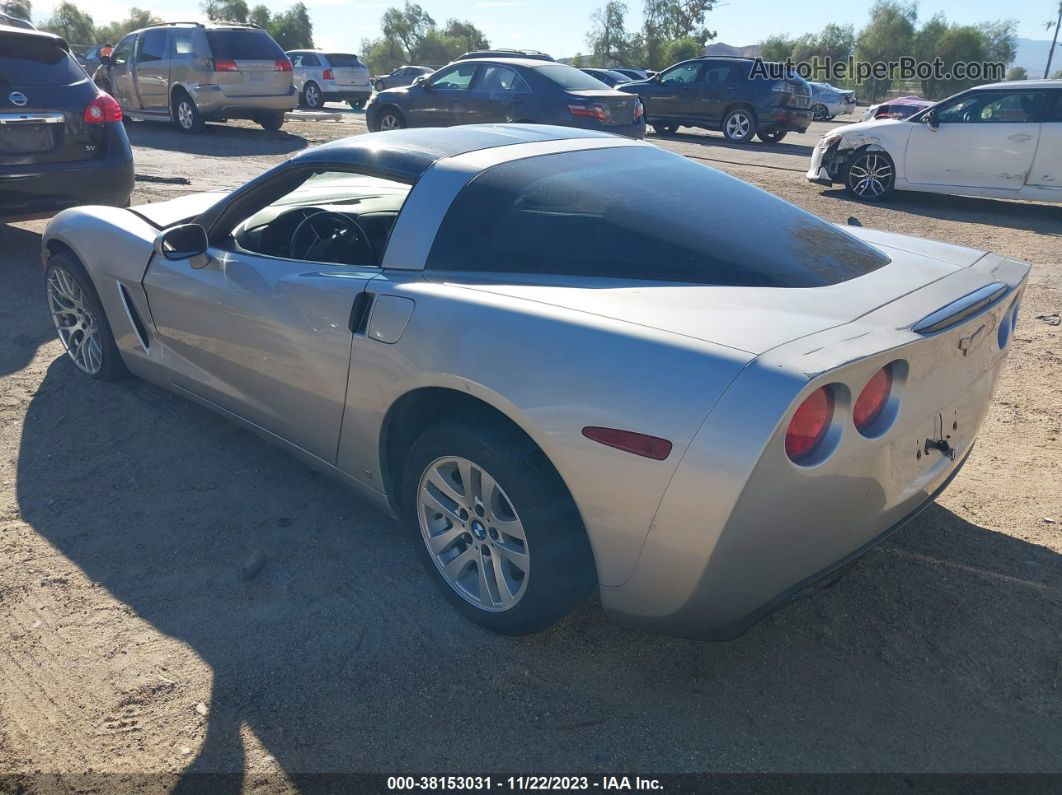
641	214
570	78
246	45
29	61
340	60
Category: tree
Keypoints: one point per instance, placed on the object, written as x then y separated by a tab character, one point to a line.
681	50
23	9
1017	73
408	26
226	10
608	39
777	47
259	15
466	35
668	20
292	29
73	24
1001	39
889	35
138	18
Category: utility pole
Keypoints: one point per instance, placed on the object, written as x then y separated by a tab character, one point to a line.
1054	41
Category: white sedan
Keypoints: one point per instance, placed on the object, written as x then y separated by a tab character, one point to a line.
1002	140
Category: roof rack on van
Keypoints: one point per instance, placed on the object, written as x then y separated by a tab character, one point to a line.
178	22
198	24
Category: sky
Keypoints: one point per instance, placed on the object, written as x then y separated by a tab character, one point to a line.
559	26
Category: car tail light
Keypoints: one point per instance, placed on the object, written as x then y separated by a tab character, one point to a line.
102	109
328	74
638	443
871	401
284	65
225	65
809	424
588	112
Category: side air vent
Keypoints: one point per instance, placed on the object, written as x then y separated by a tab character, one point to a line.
134	318
958	311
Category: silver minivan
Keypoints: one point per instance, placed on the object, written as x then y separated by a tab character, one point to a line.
190	73
322	77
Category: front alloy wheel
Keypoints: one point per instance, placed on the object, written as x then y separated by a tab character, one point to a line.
870	176
391	120
473	534
74	320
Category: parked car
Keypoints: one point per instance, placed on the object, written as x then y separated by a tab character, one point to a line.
609	77
899	108
828	102
1002	140
634	74
189	73
507	90
62	142
546	351
90	60
720	93
402	76
15	22
322	77
533	55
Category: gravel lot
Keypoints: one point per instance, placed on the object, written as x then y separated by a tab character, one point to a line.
132	641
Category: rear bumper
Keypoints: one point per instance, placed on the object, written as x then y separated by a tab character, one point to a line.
213	103
788	119
28	191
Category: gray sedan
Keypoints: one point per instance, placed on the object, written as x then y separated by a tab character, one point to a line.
402	76
565	359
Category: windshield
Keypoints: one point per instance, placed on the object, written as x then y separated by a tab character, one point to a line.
641	214
243	45
569	78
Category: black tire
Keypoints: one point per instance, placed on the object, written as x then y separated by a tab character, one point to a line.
739	125
561	572
399	121
664	128
111	367
379	85
311	96
771	136
865	176
356	104
185	114
819	112
271	121
830	118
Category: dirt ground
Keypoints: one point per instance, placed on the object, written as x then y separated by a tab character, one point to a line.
131	639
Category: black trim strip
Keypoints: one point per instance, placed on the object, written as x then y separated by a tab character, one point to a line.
961	309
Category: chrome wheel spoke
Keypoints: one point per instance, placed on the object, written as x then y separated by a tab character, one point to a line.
74	321
444	540
459	565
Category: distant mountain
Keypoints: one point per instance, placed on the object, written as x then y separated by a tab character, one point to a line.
718	48
1032	54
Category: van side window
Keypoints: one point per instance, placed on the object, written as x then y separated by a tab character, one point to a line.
153	46
185	43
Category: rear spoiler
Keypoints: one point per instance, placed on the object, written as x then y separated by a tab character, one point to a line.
962	308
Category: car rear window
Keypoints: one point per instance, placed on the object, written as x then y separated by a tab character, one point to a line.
640	214
245	45
340	60
31	61
569	78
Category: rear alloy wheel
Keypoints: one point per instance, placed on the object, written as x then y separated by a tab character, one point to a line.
665	129
311	96
819	112
79	319
187	115
391	119
739	126
495	527
870	176
771	135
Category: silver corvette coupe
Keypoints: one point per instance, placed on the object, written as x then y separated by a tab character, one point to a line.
562	358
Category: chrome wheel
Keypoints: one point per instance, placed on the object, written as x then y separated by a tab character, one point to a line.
870	176
185	115
473	534
311	96
74	320
390	121
738	125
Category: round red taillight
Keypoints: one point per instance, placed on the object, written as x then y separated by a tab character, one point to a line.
872	399
809	424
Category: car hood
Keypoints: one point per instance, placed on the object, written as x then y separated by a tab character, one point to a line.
755	319
184	208
873	129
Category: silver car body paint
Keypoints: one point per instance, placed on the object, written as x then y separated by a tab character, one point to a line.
698	544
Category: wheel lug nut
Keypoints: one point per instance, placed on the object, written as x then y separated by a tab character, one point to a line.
463	514
493	534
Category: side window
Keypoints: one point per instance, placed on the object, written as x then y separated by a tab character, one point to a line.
456	78
185	43
681	75
153	46
296	60
716	73
497	80
123	51
983	107
310	59
1054	113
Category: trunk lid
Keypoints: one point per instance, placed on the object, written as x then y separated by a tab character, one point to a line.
616	108
751	319
255	56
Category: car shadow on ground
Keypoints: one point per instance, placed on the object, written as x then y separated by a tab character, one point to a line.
215	140
716	139
1043	219
937	652
21	276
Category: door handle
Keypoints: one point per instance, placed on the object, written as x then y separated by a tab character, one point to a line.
359	313
1019	137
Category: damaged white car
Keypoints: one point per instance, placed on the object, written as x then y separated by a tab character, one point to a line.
1002	140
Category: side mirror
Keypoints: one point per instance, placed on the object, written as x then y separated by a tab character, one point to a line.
931	120
184	242
419	80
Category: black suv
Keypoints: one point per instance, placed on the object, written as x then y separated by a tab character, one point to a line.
62	142
723	94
